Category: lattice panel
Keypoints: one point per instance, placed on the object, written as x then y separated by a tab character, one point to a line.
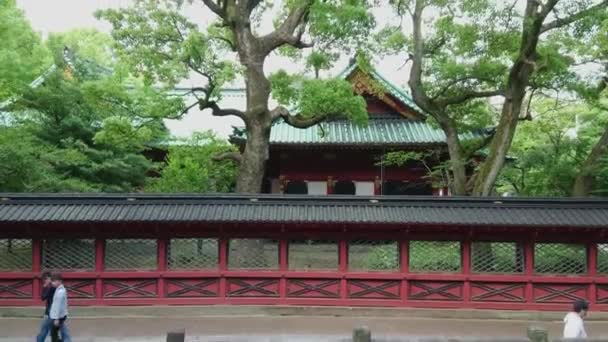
313	255
79	288
601	294
253	287
552	293
560	258
313	288
253	254
130	288
377	289
68	254
429	290
365	255
434	256
131	254
602	258
17	289
498	292
15	255
497	257
192	288
188	254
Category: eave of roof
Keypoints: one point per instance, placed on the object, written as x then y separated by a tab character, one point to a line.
343	133
114	208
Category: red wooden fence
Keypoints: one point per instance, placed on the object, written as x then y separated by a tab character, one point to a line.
397	269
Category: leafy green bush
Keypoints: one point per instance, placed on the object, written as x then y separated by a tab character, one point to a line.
384	257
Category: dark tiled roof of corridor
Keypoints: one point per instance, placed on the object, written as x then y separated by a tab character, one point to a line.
41	208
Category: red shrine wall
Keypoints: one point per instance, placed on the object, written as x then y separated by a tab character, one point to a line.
308	264
355	165
320	168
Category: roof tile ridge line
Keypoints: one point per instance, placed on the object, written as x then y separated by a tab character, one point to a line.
265	197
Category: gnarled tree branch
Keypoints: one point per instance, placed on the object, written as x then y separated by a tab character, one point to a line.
217	111
455	82
285	33
561	22
297	121
215	7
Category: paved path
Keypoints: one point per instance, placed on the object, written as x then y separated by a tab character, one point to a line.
275	329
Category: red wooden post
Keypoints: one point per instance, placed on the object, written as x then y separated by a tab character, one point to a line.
162	245
282	182
36	263
330	185
404	267
466	269
529	269
283	267
343	267
592	271
223	264
99	268
377	186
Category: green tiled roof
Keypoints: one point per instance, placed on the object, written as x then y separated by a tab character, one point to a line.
386	132
390	88
378	132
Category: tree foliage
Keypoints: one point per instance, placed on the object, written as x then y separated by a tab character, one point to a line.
163	45
23	57
191	167
464	52
551	149
85	129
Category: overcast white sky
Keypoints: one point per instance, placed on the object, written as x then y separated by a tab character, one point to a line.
62	15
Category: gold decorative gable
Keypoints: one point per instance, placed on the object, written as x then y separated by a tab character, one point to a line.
363	83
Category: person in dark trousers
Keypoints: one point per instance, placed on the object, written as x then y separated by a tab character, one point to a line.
48	291
59	310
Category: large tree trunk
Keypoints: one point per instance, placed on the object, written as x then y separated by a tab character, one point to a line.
253	159
257	116
517	84
585	179
457	161
500	145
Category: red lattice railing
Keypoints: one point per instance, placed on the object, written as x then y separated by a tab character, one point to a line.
602	258
68	254
560	258
313	255
292	271
15	255
497	257
373	255
130	254
435	256
192	254
253	254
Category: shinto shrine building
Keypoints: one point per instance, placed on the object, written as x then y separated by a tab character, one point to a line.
341	157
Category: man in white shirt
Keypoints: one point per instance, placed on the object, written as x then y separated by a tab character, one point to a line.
59	310
573	322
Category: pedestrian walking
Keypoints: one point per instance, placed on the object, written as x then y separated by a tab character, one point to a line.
48	291
59	311
574	326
